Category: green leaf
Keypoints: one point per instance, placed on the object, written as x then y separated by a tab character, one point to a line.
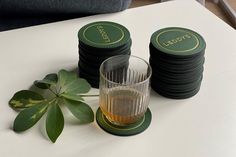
72	97
28	117
50	79
66	77
70	83
54	122
24	99
69	90
80	110
77	87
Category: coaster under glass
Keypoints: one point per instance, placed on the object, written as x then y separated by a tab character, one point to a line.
127	130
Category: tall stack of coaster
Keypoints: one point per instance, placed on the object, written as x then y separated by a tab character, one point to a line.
177	58
97	42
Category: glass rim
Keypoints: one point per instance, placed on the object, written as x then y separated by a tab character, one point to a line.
133	84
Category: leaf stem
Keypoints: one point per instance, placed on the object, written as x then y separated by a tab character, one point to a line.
52	100
53	91
90	95
59	90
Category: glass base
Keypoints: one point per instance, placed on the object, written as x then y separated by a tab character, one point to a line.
124	130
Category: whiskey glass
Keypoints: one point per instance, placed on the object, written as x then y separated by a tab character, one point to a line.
124	88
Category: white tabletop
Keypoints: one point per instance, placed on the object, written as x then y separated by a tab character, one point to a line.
202	126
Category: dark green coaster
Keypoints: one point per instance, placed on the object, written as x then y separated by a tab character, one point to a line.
127	130
104	34
178	41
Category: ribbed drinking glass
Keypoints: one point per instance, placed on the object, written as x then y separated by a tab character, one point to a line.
124	88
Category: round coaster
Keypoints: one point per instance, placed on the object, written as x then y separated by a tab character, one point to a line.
177	95
105	51
178	41
126	130
104	34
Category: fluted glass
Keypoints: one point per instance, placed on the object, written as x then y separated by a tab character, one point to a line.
124	88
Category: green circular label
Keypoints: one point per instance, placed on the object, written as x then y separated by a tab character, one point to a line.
104	34
178	41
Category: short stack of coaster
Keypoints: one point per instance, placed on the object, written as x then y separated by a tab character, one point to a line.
177	58
97	42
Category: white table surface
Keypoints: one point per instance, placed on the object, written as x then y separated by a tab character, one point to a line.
202	126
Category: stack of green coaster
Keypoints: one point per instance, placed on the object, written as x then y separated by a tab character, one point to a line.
177	58
97	42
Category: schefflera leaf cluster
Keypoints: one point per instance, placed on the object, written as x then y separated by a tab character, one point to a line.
67	89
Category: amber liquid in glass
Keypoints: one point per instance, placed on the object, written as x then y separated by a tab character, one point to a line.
123	105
